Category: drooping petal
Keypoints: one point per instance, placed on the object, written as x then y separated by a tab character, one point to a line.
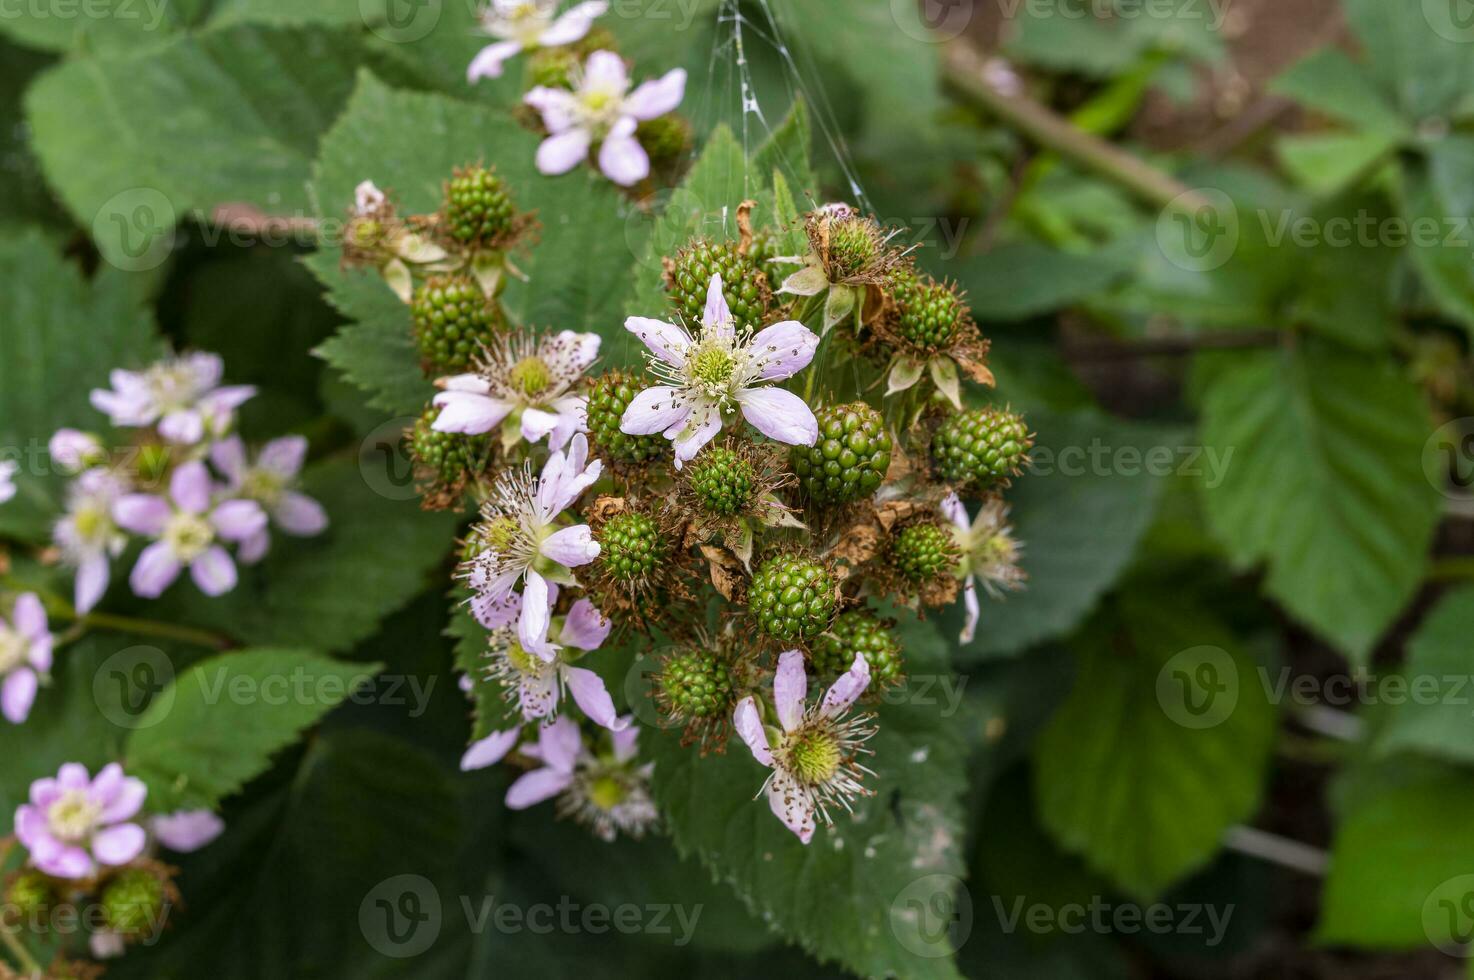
790	688
488	61
92	579
533	787
573	24
66	862
592	697
654	410
253	549
469	413
532	623
571	547
850	685
780	415
572	419
283	456
560	153
214	571
954	510
189	488
489	750
536	423
237	520
155	571
296	513
666	341
657	96
29	616
791	805
18	693
118	844
186	830
142	513
625	741
622	159
745	719
585	627
782	350
559	743
703	425
974	611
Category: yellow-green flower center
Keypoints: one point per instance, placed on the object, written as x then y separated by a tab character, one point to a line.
531	376
90	522
188	535
499	533
606	792
713	366
519	658
263	485
814	756
73	815
12	650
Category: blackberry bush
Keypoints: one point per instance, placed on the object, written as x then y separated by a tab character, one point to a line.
630	546
609	395
983	447
744	285
478	209
723	480
792	597
452	321
849	460
921	552
859	632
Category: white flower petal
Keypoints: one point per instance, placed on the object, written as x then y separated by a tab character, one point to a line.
745	719
782	350
623	160
780	415
654	410
488	61
465	412
561	153
657	96
665	340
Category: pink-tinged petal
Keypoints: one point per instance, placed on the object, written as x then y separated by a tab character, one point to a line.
622	159
559	743
537	695
29	616
495	612
579	350
253	549
187	830
557	106
468	413
657	96
850	685
67	862
592	697
30	820
106	784
156	570
974	612
585	627
790	688
573	24
534	787
791	806
955	511
283	456
39	654
561	153
224	400
489	750
488	61
625	741
73	775
666	341
299	514
142	513
702	427
92	579
18	693
71	449
229	457
604	70
780	415
127	801
119	844
536	423
654	410
237	520
716	316
190	487
473	383
185	427
213	571
532	624
572	419
745	719
571	547
782	350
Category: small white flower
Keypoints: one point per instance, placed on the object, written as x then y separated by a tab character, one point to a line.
8	469
525	25
988	550
602	110
718	372
74	451
367	198
525	385
25	656
269	480
182	394
535	676
87	534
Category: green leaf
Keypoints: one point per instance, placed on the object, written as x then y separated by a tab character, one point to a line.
220	722
1426	69
1080	514
23	195
1400	866
1327	163
1329	81
61	334
1439	202
1325	484
1161	746
902	844
110	26
327	592
787	151
1432	715
1024	279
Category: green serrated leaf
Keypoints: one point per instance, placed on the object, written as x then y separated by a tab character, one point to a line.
1433	713
1329	81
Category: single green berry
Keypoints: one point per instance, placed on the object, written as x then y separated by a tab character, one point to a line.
744	285
929	314
453	319
983	447
723	480
792	597
133	902
630	546
609	396
451	456
765	246
859	632
695	684
854	243
665	138
478	209
924	551
30	897
851	457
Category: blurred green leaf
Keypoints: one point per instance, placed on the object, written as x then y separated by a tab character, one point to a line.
1434	714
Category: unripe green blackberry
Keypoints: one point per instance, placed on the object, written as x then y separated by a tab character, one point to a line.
133	902
763	248
854	243
478	209
609	395
29	897
744	285
629	546
694	685
453	319
924	551
983	447
723	480
859	632
450	456
849	460
665	138
551	68
928	314
792	597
